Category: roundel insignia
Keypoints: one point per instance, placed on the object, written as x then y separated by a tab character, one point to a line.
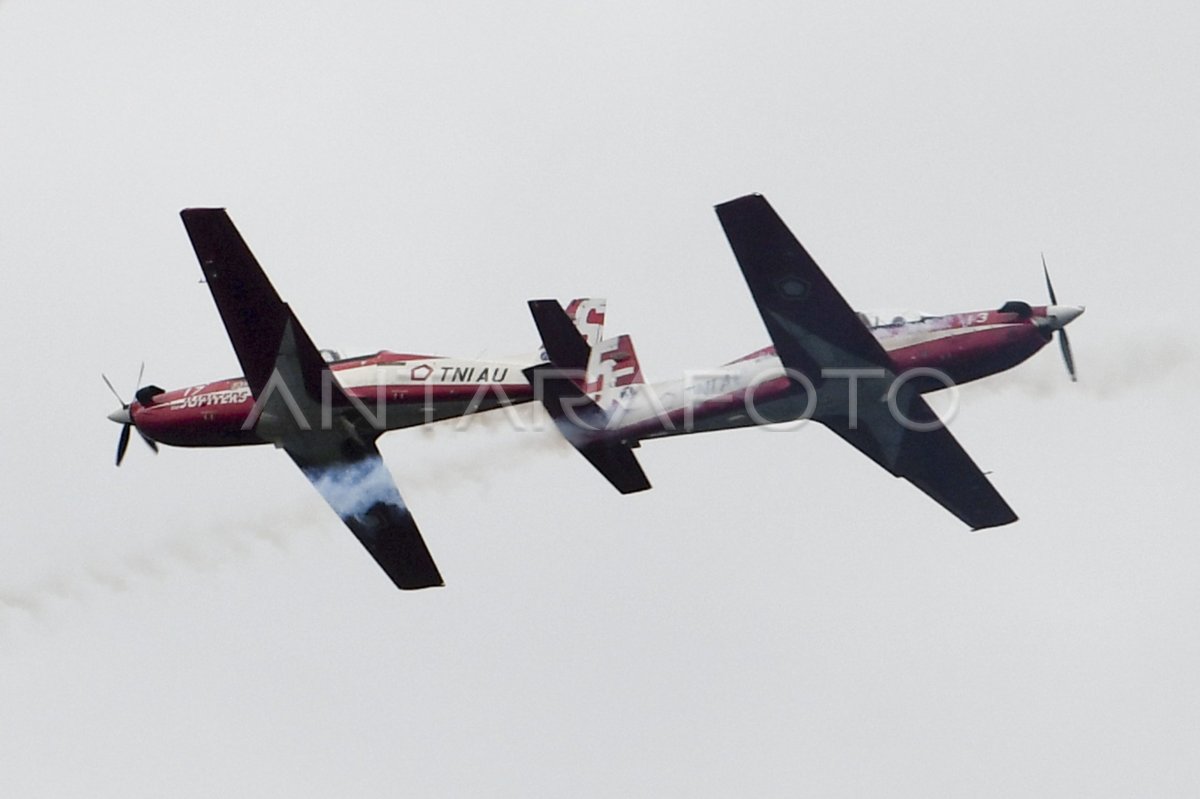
792	288
421	372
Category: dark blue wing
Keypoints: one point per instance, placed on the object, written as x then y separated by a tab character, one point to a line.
815	331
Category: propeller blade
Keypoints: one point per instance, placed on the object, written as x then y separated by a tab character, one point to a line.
1065	346
142	368
1049	285
123	443
126	428
108	383
150	442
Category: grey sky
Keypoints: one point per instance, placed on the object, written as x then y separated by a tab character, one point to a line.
778	616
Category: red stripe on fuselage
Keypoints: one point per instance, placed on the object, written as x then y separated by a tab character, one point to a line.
972	354
214	414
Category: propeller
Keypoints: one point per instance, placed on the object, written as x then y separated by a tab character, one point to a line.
1063	343
124	418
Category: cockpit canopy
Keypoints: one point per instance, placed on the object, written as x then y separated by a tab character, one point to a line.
874	319
329	356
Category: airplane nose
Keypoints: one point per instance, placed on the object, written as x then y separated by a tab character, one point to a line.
1060	316
121	416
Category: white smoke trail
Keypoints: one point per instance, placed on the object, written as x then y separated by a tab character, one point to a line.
219	544
191	548
491	442
1139	361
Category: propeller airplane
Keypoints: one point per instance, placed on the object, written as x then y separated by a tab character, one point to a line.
861	376
323	410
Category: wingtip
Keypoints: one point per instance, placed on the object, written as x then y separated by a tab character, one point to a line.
1006	520
743	200
192	212
421	587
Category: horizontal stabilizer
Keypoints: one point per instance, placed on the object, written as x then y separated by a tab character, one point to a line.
565	346
581	421
618	464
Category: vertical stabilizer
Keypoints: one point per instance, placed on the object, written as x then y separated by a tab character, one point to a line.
612	365
588	315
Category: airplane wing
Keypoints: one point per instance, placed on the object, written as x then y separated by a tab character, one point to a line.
302	409
816	333
351	476
253	314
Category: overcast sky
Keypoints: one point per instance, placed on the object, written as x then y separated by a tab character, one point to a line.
778	617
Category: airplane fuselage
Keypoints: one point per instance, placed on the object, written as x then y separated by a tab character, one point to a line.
395	390
933	351
399	390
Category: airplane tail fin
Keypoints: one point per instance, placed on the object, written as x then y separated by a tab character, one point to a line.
612	365
588	315
560	386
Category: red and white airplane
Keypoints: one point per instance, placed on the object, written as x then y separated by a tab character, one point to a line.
323	410
860	377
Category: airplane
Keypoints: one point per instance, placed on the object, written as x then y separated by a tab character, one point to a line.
862	376
326	412
323	410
